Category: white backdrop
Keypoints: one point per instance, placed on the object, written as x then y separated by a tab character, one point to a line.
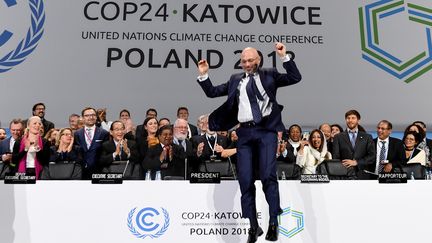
68	71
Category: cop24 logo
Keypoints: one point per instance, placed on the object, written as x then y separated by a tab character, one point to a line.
148	222
291	222
374	22
29	43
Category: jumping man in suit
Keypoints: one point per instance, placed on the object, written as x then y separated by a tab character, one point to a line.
252	102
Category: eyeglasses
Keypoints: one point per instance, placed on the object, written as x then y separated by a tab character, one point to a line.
182	127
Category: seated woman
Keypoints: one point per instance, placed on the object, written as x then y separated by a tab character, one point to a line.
148	138
312	152
422	142
287	150
51	136
118	148
294	136
64	149
413	154
31	152
165	157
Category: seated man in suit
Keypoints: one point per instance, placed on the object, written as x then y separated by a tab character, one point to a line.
180	138
118	148
16	128
355	148
90	139
390	151
210	145
166	157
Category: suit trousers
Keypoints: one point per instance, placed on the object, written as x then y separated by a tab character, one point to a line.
256	151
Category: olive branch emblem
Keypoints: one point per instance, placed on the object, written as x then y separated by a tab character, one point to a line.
30	42
143	236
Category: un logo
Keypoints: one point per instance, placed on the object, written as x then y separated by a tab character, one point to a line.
148	222
379	20
27	44
291	222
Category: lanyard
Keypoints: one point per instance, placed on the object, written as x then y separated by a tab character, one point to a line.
89	139
214	145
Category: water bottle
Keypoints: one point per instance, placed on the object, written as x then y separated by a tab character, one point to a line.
158	176
412	175
283	175
148	176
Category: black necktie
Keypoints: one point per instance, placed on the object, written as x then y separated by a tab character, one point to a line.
382	156
212	140
253	93
180	142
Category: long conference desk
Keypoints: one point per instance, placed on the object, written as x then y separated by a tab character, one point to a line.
177	211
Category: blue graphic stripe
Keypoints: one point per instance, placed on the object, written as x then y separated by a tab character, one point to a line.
369	31
401	9
399	76
420	14
5	36
429	40
10	3
300	219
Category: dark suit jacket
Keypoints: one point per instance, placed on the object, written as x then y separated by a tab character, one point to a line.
4	146
109	147
395	153
194	130
91	155
225	117
429	144
73	155
290	157
174	167
364	152
207	151
190	153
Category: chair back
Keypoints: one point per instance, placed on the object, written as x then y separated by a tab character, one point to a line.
226	169
336	170
288	171
63	170
4	168
130	171
416	169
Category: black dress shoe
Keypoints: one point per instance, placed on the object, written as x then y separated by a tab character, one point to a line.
254	234
272	232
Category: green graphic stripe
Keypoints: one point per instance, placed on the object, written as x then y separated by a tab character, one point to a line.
375	12
296	233
419	8
421	21
362	34
376	56
421	72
